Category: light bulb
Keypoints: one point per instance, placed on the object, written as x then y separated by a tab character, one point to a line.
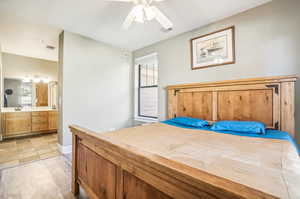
46	80
139	13
26	80
36	80
150	14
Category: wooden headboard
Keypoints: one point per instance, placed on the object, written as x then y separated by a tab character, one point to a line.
270	100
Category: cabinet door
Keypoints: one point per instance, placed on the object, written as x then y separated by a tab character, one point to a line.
42	94
17	123
40	121
53	120
39	126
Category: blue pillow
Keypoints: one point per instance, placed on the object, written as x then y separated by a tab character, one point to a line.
240	126
187	121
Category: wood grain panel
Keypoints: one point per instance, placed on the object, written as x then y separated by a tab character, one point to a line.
251	105
97	173
75	165
40	113
40	126
17	123
134	188
173	179
17	115
53	120
40	121
202	105
288	107
195	104
249	81
42	94
185	105
172	104
281	116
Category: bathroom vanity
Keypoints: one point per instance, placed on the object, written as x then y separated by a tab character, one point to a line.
28	121
35	114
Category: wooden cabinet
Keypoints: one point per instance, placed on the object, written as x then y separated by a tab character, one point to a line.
16	123
40	121
53	120
42	94
26	123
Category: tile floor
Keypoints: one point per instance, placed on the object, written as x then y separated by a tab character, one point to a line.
32	168
43	179
24	150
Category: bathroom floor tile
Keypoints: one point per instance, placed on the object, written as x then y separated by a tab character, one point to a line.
29	159
24	150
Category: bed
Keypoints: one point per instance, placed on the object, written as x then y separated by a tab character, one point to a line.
162	161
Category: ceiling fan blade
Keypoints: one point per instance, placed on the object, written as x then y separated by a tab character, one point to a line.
151	1
125	1
162	19
149	13
120	0
129	19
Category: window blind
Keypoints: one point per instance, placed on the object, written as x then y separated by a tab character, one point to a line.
148	90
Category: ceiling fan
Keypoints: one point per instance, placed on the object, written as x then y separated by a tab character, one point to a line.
144	10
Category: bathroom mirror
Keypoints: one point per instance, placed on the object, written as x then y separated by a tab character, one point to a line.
18	93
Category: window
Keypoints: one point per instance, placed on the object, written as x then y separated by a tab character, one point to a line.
147	88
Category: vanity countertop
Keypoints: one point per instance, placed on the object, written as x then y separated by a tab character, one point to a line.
27	109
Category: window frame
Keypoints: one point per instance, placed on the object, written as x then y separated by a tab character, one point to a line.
137	84
139	94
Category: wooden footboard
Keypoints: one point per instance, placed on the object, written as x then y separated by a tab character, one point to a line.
106	169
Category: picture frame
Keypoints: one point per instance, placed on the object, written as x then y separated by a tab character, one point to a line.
213	49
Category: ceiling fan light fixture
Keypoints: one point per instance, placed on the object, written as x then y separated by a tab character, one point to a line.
139	13
144	11
150	14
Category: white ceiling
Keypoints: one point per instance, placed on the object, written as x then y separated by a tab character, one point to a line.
28	39
102	20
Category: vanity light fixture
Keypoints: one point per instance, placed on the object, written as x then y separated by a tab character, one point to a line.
46	80
26	80
36	80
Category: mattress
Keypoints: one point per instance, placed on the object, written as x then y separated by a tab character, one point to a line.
268	165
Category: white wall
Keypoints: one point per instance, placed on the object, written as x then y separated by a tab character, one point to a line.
16	66
96	86
267	44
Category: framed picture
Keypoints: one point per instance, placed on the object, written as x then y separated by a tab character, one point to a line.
213	49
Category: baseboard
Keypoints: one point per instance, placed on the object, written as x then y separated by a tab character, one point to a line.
65	149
